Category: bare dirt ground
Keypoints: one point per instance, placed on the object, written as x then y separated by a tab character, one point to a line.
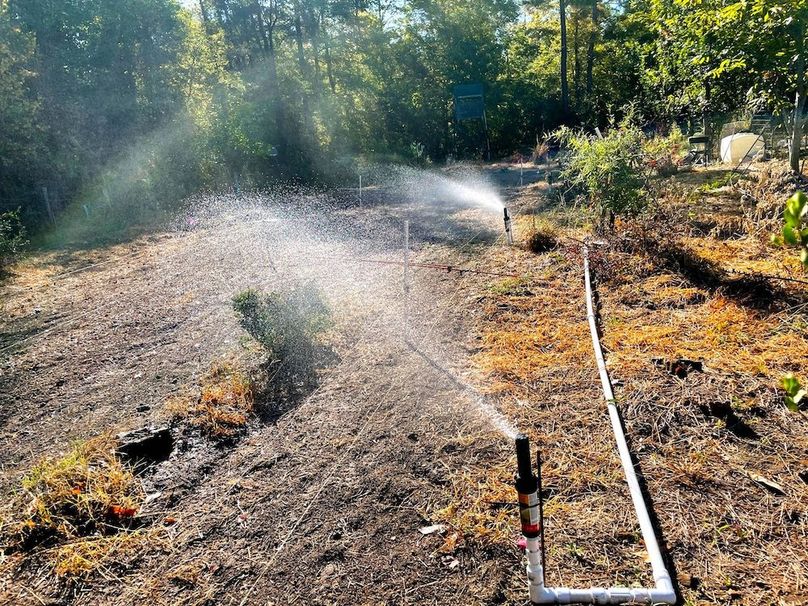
321	502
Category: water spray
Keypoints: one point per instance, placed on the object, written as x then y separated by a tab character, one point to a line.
508	229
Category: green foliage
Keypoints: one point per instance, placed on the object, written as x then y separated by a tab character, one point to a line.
20	126
125	107
287	325
795	392
608	169
664	154
795	225
12	237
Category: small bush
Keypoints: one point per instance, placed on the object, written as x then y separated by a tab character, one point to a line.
608	169
541	238
12	237
664	155
287	327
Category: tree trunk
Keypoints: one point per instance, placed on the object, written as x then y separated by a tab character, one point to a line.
565	93
576	59
318	71
204	12
262	31
590	51
331	82
799	106
301	56
281	126
304	68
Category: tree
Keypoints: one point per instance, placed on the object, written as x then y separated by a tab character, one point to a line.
20	127
565	91
718	48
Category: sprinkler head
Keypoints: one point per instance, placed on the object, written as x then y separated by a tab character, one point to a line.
508	233
525	480
527	487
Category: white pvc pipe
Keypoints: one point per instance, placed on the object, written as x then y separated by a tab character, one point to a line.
662	592
406	280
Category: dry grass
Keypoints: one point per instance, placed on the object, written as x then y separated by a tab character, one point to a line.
103	553
703	442
223	404
539	234
535	357
705	437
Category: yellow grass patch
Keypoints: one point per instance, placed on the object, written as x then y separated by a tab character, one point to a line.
724	333
83	501
87	555
747	255
479	507
86	489
224	403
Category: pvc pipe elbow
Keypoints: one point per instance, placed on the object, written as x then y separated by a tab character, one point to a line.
664	592
540	594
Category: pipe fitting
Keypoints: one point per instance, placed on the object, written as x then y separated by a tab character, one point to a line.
600	595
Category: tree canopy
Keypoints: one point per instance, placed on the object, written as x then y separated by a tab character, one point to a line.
136	104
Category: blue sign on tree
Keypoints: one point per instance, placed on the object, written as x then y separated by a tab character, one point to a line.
469	103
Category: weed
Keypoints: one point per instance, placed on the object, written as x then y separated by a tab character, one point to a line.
12	237
542	238
512	287
87	490
795	392
82	503
717	183
795	226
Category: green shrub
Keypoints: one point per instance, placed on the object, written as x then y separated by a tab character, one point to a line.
287	326
607	169
664	155
12	237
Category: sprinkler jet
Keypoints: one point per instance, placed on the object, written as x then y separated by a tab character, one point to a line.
508	230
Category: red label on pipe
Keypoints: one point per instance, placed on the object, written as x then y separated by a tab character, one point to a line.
529	514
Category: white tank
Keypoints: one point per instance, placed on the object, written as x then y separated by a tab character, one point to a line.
735	148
